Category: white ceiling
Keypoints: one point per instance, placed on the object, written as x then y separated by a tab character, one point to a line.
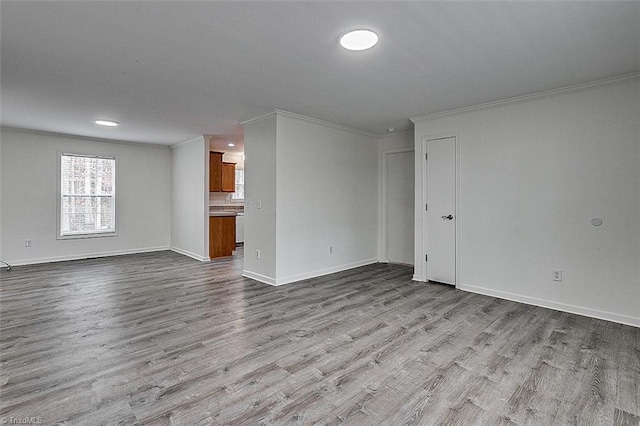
170	71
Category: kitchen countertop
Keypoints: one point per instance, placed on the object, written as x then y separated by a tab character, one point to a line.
222	213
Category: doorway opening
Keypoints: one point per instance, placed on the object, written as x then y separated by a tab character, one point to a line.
398	196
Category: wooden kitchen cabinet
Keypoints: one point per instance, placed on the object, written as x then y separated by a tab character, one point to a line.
228	177
215	172
222	236
222	176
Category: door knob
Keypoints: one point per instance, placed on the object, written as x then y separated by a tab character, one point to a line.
450	217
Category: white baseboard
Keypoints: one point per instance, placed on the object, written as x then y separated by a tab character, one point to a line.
86	256
588	312
189	254
299	277
259	277
419	278
321	272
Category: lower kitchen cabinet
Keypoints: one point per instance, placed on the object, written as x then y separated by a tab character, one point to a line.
222	236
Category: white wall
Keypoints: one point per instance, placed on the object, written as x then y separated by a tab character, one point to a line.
29	170
1	258
391	143
317	186
532	176
224	199
190	198
326	196
234	157
260	187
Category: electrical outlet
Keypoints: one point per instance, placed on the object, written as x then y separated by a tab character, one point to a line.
257	254
27	243
557	275
330	249
259	204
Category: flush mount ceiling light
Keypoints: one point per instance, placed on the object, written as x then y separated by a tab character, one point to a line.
231	144
107	123
359	40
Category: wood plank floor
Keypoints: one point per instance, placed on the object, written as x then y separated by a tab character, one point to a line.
161	339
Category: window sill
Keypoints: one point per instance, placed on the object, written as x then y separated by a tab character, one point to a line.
88	235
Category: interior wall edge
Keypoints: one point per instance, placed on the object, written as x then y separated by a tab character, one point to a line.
81	137
322	272
528	97
83	256
259	277
558	306
190	254
325	123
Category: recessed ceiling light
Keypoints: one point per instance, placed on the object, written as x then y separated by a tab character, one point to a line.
391	129
359	40
231	144
107	123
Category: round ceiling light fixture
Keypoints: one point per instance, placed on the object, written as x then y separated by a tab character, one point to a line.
108	123
359	40
231	144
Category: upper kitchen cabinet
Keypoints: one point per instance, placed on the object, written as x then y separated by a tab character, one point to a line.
215	172
222	176
228	177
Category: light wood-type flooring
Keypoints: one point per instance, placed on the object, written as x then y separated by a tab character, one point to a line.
161	339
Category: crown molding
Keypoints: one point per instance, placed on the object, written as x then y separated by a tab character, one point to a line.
529	97
325	123
197	138
80	137
387	135
258	118
280	112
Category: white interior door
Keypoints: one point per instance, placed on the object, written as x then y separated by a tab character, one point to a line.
441	210
400	210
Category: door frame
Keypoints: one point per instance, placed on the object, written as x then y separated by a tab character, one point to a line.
420	264
383	255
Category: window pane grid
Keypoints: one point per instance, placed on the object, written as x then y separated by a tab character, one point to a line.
239	194
87	195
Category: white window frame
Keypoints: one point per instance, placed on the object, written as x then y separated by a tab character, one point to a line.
95	234
238	200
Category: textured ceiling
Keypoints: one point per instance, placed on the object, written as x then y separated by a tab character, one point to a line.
169	71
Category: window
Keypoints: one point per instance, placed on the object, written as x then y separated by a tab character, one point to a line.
239	194
87	196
